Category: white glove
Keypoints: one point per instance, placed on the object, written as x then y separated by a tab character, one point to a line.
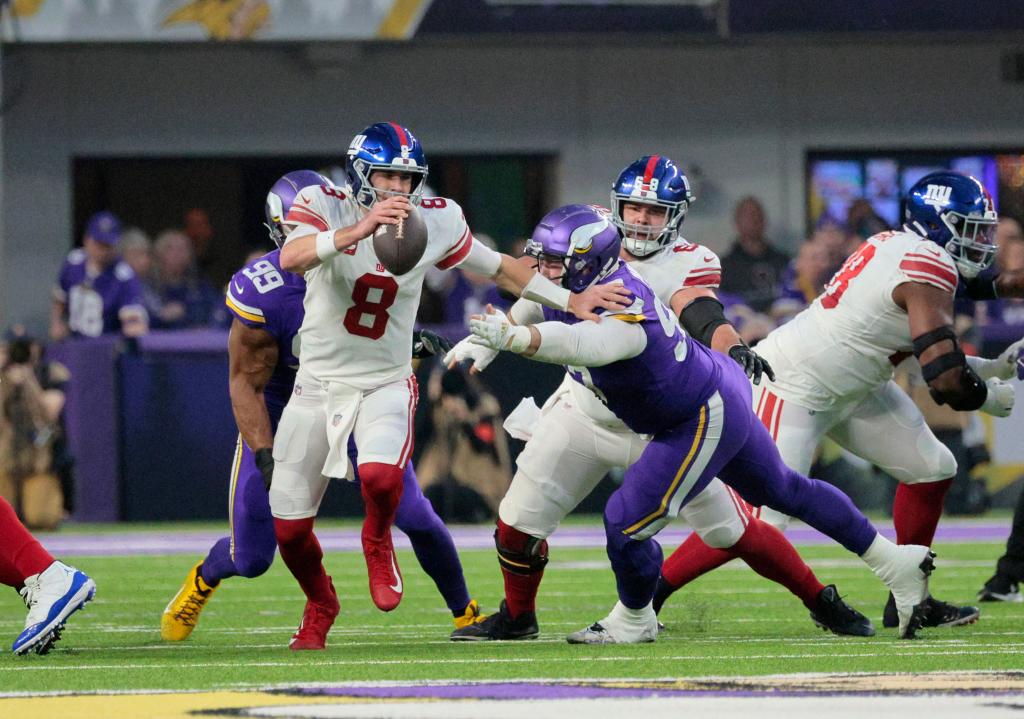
1011	361
999	402
479	356
494	330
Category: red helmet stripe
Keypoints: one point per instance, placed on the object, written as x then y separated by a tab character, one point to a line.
649	170
403	139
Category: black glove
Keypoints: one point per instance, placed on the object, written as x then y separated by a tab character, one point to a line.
265	463
752	363
427	344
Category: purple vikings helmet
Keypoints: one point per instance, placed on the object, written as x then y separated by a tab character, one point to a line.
651	180
384	147
956	212
582	239
282	196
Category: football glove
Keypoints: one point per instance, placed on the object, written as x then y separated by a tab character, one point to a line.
265	464
479	356
493	329
999	401
753	364
427	344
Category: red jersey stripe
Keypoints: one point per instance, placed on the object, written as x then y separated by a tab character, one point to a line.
302	216
703	281
458	255
930	268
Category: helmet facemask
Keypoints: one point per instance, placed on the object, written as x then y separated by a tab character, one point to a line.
367	194
275	220
972	242
643	240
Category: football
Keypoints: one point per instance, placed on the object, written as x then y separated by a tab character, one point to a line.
399	247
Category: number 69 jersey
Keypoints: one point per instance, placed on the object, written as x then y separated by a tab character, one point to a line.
848	341
360	317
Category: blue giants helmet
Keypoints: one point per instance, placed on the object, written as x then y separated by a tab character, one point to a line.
582	239
384	147
651	180
282	196
955	211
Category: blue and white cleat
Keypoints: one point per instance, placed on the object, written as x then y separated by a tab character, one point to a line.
51	597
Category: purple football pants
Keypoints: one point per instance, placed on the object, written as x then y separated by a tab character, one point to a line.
723	439
249	550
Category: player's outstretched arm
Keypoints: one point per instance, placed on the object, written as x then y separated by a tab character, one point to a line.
252	356
703	317
585	344
304	252
951	380
522	279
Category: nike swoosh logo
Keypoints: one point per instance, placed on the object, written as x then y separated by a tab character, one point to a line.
238	288
397	587
708	258
304	198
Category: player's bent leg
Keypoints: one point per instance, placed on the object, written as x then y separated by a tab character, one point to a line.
757	472
300	450
434	548
675	467
522	558
887	429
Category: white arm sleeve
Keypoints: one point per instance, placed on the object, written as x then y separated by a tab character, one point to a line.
482	260
525	312
589	344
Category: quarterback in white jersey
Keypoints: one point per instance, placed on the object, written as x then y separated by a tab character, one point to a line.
834	361
356	377
575	439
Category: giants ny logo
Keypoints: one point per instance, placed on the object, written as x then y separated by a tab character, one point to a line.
937	196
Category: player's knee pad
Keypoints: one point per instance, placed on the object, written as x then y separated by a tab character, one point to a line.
722	536
518	552
251	566
377	477
935	464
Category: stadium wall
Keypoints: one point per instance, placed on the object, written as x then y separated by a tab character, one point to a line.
743	114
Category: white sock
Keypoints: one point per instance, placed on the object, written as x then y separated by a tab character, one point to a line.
634	617
881	556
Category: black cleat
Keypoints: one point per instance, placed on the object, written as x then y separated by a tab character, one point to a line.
499	627
1000	588
933	613
834	615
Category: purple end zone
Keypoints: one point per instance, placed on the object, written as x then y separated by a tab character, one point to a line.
474	537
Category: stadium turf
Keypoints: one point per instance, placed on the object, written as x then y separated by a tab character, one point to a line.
730	622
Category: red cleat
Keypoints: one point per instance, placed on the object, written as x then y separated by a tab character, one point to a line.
382	566
317	620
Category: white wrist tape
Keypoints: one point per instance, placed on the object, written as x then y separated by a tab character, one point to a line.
542	290
518	339
325	248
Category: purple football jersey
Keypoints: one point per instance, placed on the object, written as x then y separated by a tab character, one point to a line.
264	296
94	302
664	385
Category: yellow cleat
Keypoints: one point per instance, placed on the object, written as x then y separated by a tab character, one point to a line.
182	613
471	615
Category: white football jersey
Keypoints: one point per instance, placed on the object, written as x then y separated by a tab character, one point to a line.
359	317
850	338
680	266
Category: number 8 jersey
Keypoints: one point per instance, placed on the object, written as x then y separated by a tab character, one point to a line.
848	341
359	317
